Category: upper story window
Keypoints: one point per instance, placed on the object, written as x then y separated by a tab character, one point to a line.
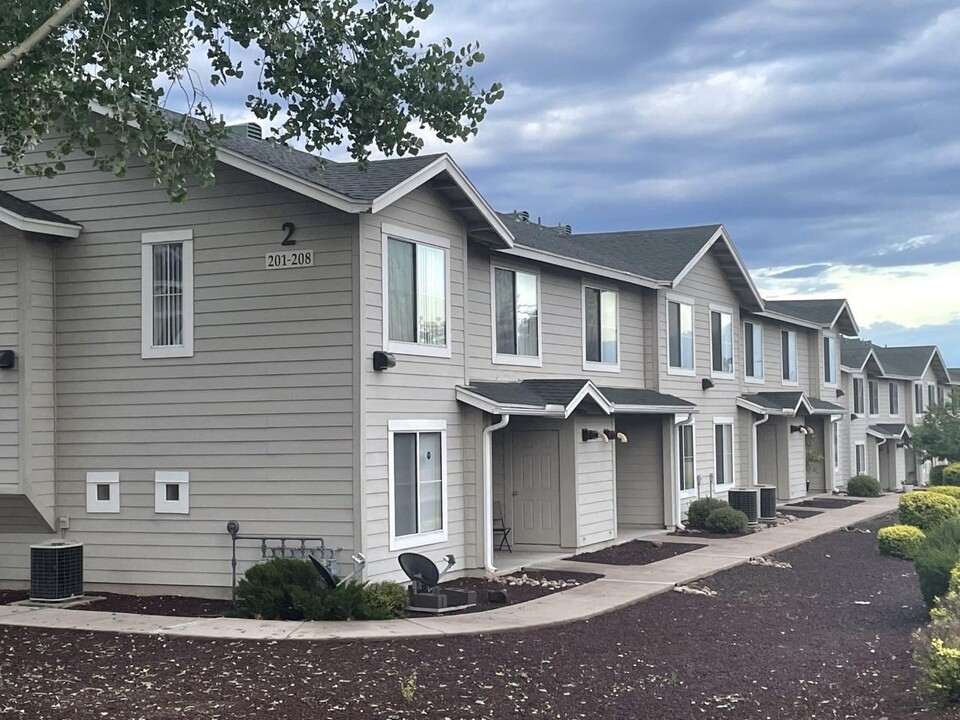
600	324
167	293
830	360
721	342
517	316
940	394
858	396
416	280
918	398
894	391
931	395
753	350
873	389
680	336
788	356
418	482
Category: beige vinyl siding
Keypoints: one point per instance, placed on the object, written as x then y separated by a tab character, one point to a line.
9	339
640	477
261	416
417	388
596	484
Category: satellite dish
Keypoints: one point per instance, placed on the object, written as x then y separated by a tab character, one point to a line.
421	570
325	577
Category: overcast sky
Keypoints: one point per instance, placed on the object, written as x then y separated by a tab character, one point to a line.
825	136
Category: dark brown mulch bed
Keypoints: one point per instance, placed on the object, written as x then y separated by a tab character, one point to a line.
825	503
636	552
787	644
11	596
515	593
173	605
711	535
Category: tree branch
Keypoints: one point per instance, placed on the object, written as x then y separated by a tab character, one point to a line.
55	20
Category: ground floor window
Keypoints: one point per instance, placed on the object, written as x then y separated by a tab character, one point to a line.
861	455
418	482
686	459
724	474
836	446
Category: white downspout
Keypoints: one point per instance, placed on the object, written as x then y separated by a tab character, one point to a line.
755	469
488	491
675	481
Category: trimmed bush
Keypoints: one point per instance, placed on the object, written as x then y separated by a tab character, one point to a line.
948	490
386	597
936	559
951	474
268	590
699	510
900	541
938	657
936	475
863	486
727	521
926	510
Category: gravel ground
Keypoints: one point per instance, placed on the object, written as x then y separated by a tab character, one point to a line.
636	552
775	643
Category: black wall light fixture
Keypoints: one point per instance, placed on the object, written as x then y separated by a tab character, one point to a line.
587	434
383	360
706	383
840	393
8	359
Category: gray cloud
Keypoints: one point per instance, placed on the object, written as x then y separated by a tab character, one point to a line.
805	271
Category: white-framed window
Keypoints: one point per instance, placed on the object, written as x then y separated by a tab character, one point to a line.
940	394
858	396
416	282
893	391
417	466
171	492
931	395
103	492
829	360
166	293
724	472
721	342
873	396
836	448
601	329
753	351
918	398
788	356
680	337
516	314
687	460
860	451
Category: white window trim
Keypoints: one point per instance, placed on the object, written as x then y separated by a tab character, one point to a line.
865	469
835	439
682	300
589	364
867	388
895	386
729	421
147	241
405	542
862	379
522	360
918	411
693	492
161	479
796	348
747	378
719	374
836	362
415	236
103	478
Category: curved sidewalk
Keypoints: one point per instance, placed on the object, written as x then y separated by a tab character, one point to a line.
621	585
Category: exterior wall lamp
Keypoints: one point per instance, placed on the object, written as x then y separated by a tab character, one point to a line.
383	360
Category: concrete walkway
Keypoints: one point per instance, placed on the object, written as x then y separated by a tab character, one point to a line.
621	585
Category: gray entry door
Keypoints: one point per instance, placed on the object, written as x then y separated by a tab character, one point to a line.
768	459
536	487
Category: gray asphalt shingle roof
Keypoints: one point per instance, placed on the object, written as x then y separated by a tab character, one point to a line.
954	374
536	393
890	430
643	397
821	312
854	352
774	400
905	361
824	407
30	211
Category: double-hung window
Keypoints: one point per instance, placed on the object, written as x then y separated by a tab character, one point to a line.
940	394
166	283
686	460
788	355
721	343
830	361
418	482
680	337
931	395
861	458
517	317
417	298
858	396
601	349
918	398
753	351
894	391
836	447
723	454
873	388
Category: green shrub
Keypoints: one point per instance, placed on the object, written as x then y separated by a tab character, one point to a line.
863	486
926	510
268	589
936	558
699	510
936	475
727	521
949	490
387	597
951	474
901	541
937	652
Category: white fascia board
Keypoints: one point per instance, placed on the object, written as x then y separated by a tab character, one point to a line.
563	261
845	306
651	410
806	403
445	163
594	392
494	408
788	319
721	234
44	227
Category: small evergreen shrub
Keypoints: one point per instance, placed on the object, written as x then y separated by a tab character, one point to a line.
951	474
900	541
386	597
936	475
269	590
727	521
936	559
699	510
926	510
863	486
937	652
948	490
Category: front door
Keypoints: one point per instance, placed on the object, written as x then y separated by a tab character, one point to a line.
768	459
536	487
